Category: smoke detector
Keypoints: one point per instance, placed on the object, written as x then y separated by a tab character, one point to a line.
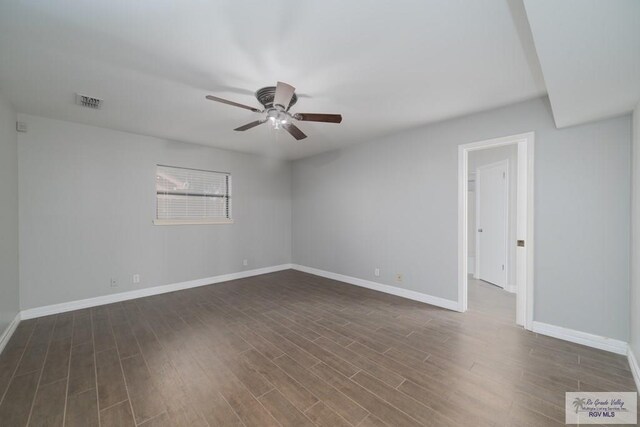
88	101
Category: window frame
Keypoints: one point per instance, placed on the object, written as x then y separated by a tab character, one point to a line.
195	221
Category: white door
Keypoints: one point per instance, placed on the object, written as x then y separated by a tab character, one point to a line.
491	218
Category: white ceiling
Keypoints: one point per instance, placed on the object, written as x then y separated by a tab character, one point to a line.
385	65
590	55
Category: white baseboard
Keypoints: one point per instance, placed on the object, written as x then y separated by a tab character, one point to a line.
635	369
404	293
145	292
511	288
8	332
584	338
471	265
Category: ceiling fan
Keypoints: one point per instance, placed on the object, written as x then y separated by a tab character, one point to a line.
276	101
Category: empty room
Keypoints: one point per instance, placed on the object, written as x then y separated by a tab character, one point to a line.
337	213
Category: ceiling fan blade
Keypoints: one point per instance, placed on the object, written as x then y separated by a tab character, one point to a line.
283	95
235	104
313	117
294	131
250	125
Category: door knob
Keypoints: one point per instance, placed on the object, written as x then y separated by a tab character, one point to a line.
479	230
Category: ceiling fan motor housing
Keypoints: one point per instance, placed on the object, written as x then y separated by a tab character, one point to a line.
266	94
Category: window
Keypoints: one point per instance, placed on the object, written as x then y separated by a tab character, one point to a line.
192	196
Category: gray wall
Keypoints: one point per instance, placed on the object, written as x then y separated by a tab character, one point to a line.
87	201
9	293
486	157
392	203
634	336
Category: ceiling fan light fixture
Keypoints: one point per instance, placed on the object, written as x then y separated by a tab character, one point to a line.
277	117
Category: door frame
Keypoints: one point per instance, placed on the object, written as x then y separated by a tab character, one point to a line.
507	267
525	222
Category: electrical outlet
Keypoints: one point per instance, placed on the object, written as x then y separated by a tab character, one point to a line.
399	277
136	278
114	283
21	126
376	272
245	262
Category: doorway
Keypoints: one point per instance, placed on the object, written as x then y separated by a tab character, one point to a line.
503	242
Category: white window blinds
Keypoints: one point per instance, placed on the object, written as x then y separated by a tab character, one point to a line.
192	196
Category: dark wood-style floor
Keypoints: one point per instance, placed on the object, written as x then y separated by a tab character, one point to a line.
293	349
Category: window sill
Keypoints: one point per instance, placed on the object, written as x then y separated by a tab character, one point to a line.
192	221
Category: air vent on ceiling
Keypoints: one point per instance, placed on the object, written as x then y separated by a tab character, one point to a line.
88	101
